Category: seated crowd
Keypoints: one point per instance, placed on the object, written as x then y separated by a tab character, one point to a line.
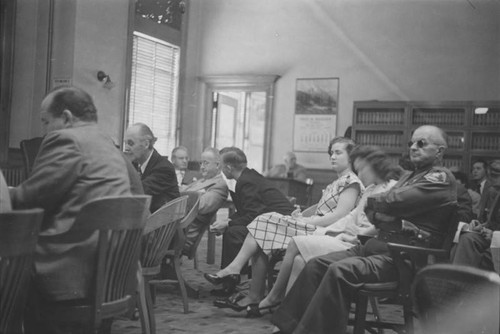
325	262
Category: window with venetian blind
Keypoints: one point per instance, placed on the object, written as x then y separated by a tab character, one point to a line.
153	89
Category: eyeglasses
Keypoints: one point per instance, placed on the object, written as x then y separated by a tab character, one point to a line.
204	163
420	143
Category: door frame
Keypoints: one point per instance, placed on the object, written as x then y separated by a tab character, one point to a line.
239	83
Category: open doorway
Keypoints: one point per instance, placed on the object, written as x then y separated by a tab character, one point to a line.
240	114
240	120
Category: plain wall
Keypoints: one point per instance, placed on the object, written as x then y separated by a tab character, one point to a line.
88	36
385	50
380	50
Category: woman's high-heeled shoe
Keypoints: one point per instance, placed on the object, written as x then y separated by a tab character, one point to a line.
254	311
228	280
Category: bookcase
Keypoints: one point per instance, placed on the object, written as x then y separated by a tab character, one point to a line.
473	127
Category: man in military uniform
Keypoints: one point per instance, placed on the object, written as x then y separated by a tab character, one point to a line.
473	248
320	299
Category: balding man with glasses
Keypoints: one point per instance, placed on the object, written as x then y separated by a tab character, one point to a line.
320	299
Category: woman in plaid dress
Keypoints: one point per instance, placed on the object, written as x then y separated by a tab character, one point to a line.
273	231
378	174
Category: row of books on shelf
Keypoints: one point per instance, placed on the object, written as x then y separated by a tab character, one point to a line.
455	142
385	139
490	118
372	117
486	142
449	118
449	162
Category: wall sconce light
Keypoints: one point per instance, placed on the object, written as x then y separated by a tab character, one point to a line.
101	76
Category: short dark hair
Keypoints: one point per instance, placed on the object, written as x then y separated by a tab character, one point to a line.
349	144
481	161
74	99
460	176
379	161
234	157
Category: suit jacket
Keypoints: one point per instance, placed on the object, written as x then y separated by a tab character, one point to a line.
191	176
73	167
427	198
134	177
485	201
159	181
253	196
213	195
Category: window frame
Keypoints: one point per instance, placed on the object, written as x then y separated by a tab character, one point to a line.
164	33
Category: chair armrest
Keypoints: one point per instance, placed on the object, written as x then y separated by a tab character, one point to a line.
410	259
398	249
363	238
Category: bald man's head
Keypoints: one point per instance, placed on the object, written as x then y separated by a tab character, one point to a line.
427	146
139	141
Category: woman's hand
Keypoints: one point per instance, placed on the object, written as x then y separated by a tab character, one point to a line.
296	214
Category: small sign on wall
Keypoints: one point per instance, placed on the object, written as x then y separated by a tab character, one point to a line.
316	108
56	82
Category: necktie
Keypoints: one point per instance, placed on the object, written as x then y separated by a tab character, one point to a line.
138	168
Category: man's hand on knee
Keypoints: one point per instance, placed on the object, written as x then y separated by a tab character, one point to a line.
219	226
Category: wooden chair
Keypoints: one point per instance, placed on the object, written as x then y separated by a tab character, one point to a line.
408	259
456	299
160	229
119	223
18	236
30	148
192	252
174	254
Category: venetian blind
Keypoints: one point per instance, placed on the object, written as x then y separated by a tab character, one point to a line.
153	89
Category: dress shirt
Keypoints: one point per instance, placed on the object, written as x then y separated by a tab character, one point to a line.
481	186
145	164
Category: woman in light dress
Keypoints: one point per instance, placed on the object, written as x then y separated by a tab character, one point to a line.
378	174
273	231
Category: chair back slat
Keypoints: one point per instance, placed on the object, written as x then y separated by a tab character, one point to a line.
18	236
192	206
119	222
160	230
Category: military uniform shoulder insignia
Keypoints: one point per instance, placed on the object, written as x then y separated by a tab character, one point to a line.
436	177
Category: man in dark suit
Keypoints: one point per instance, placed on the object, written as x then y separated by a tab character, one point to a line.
76	163
473	248
180	159
253	196
157	173
321	297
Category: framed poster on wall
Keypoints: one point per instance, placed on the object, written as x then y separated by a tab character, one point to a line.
315	119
